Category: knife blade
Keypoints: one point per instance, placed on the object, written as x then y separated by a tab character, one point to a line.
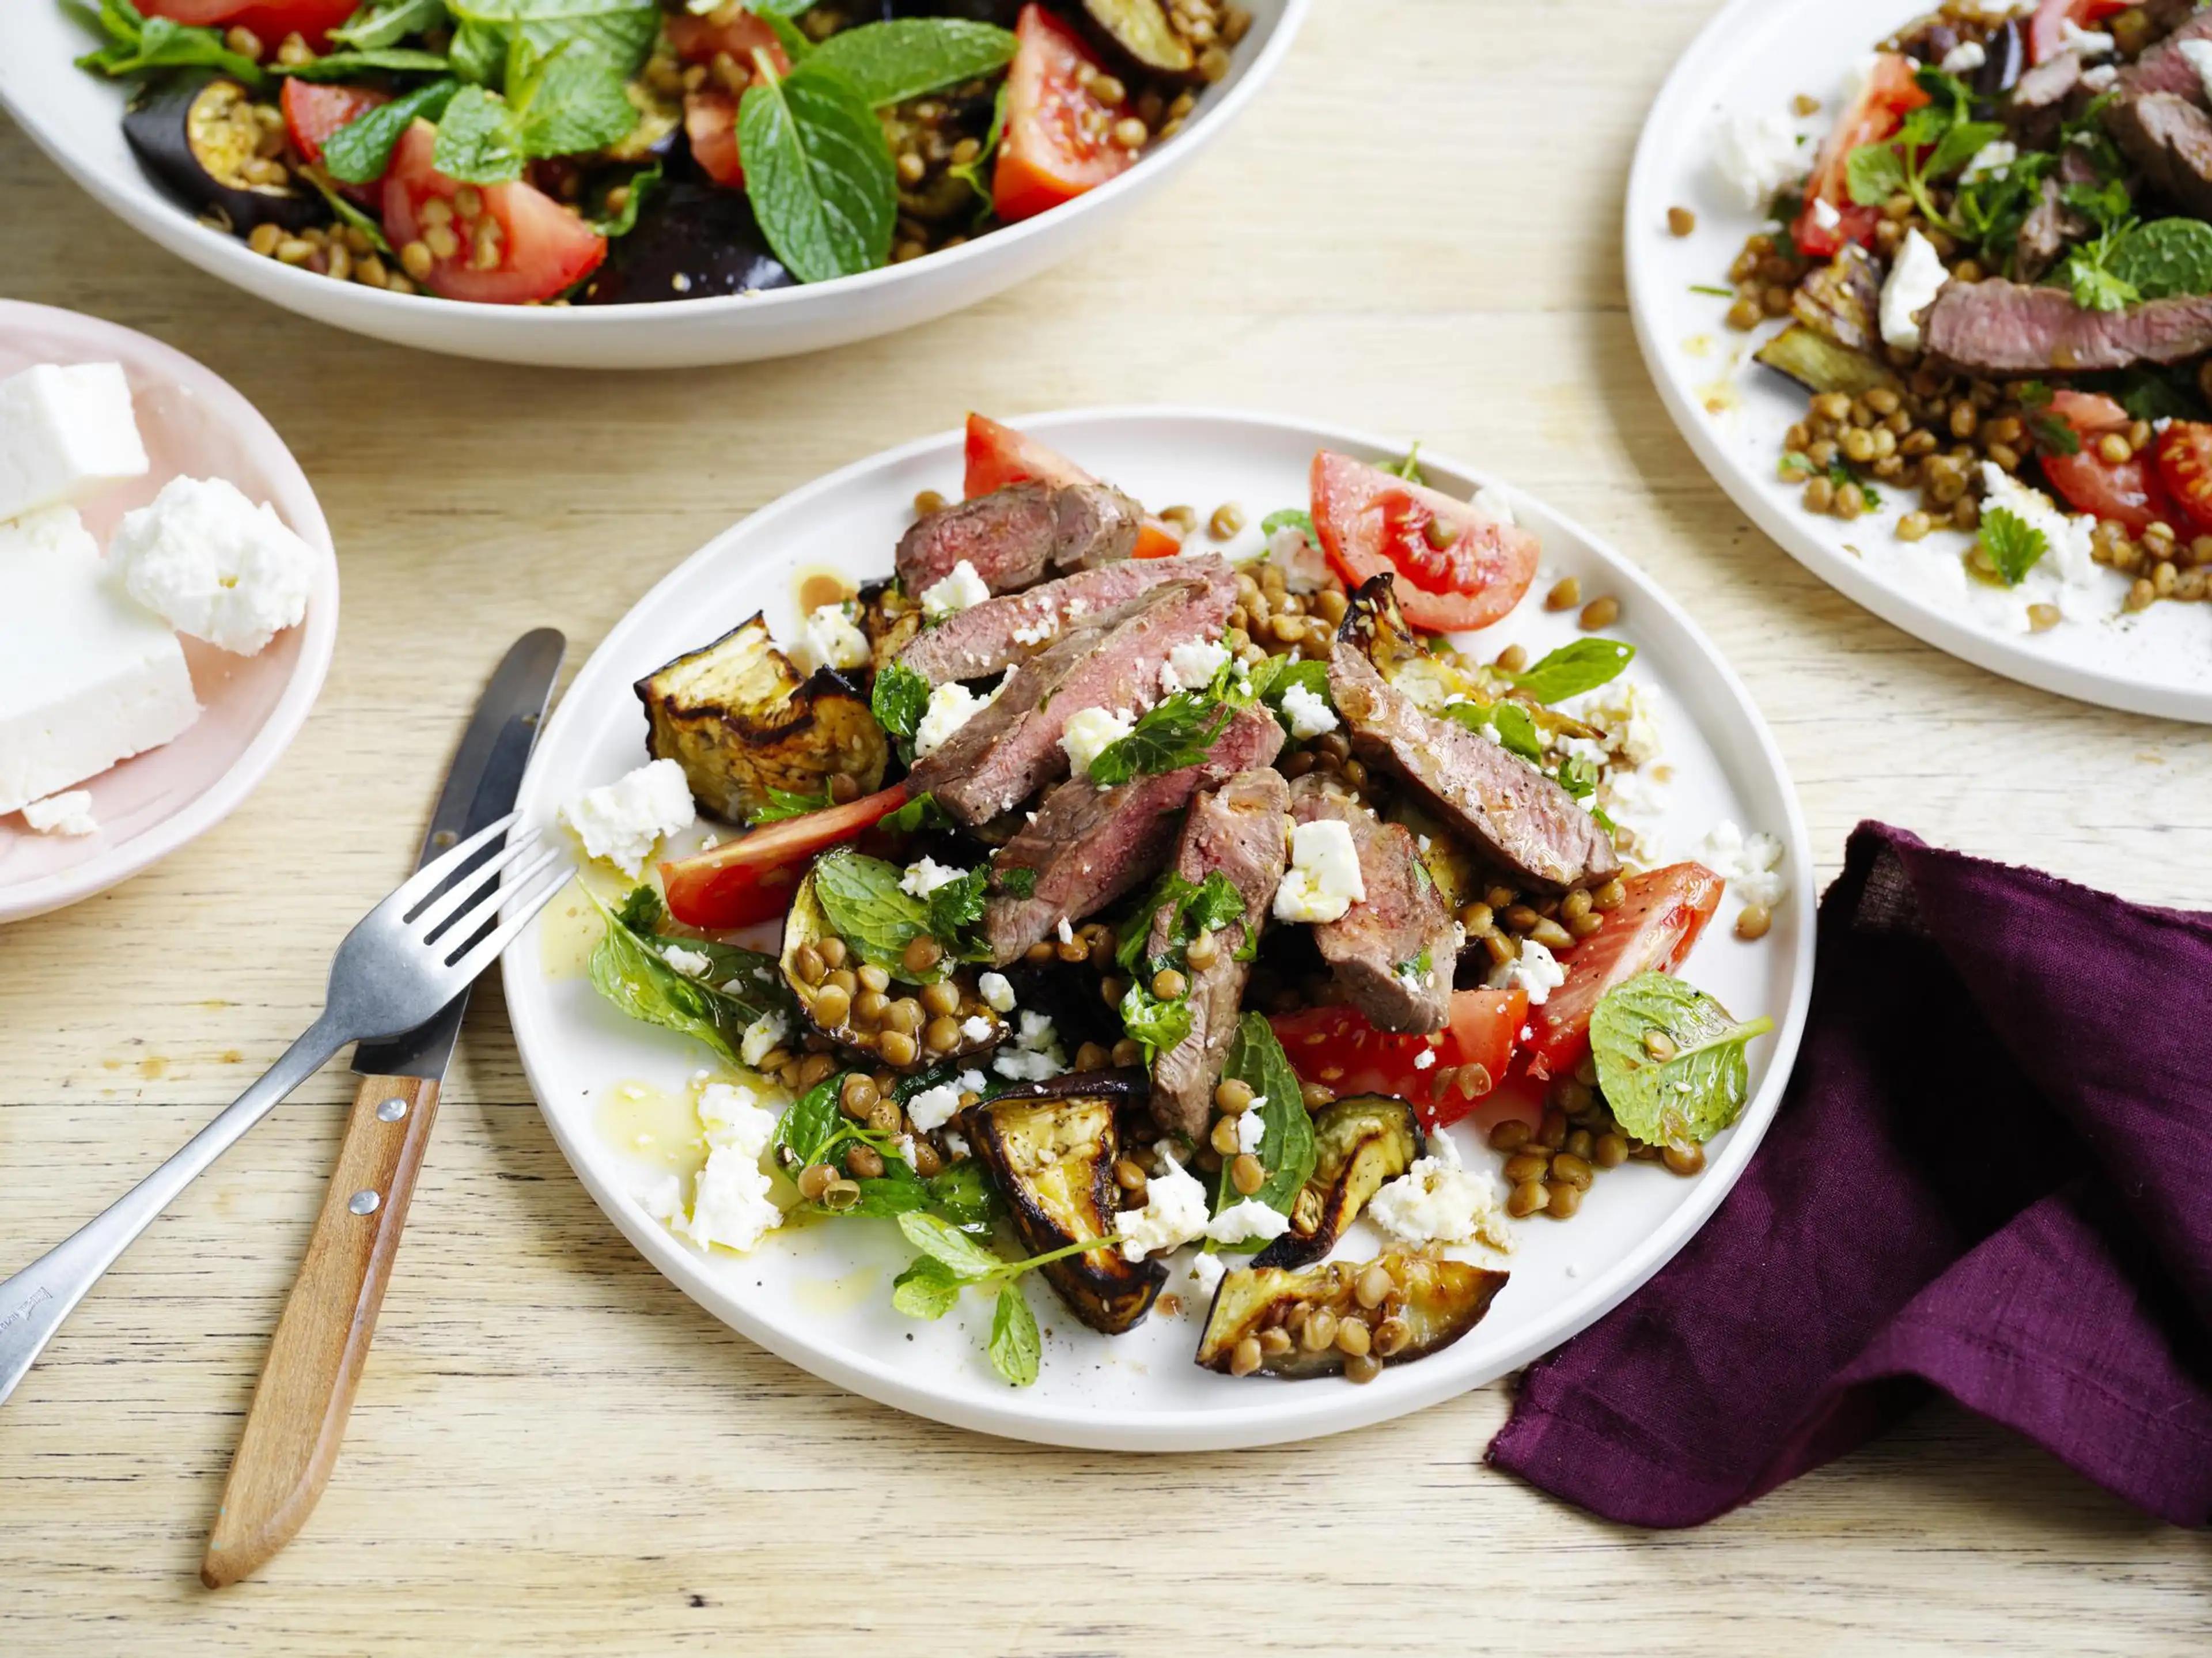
297	1420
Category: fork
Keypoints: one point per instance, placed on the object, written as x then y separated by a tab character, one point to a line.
402	962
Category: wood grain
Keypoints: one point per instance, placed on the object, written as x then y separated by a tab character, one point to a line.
296	1424
553	1451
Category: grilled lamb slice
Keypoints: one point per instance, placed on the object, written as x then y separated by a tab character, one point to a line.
1236	831
1014	536
1998	327
2164	68
1376	948
2039	99
1011	750
999	633
1524	820
1087	846
2169	136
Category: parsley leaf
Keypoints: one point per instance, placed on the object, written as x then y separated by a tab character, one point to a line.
784	804
1874	173
955	907
919	813
1155	1025
1176	732
138	43
1018	883
2012	543
2052	436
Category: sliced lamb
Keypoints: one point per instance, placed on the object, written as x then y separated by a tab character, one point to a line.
1012	537
1999	327
2039	100
1087	846
1011	750
1527	821
2163	68
999	633
1236	831
2049	227
2169	136
1377	948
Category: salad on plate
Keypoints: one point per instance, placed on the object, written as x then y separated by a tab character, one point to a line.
1140	899
1989	264
598	152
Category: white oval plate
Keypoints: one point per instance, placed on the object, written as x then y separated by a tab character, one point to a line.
76	119
1755	56
193	424
821	1296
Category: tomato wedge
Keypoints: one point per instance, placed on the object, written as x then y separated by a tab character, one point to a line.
2185	468
998	455
2044	31
271	20
1371	522
543	249
2129	492
1650	932
1056	144
313	112
1339	1048
1829	218
710	122
730	29
752	878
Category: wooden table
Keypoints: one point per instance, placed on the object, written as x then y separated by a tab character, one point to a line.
1417	229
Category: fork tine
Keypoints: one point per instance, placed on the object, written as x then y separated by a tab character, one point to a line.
526	908
440	869
483	904
469	889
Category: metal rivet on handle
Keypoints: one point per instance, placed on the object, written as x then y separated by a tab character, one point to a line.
363	1203
392	1110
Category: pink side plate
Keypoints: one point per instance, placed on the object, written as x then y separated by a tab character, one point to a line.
194	422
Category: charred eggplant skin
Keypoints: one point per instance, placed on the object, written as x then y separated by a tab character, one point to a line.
1819	364
1137	32
1361	1143
806	924
1051	1153
193	133
691	241
1437	1301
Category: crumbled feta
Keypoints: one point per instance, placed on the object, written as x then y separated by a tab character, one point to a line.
1915	278
997	992
1991	160
66	432
730	1114
1825	214
762	1037
932	1108
1193	665
1323	880
1445	1150
730	1205
214	565
1304	565
955	1142
63	814
959	590
1250	1130
1535	970
1965	57
1307	711
623	821
2085	43
1627	714
1755	155
1244	1222
1037	632
1174	1212
1036	1033
1751	864
951	705
1206	1271
1424	1059
691	963
1438	1202
1021	1067
973	1082
2101	77
976	1028
1067	933
925	877
1489	502
832	639
1088	732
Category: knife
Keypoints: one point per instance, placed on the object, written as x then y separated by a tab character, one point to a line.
298	1418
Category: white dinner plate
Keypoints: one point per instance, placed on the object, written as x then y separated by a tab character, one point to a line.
1755	56
820	1297
76	119
194	424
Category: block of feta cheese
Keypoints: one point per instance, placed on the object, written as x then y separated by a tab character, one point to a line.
87	675
66	433
71	814
214	565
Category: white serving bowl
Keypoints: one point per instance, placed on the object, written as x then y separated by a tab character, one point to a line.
76	119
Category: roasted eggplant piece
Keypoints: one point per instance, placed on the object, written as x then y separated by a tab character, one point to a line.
691	241
1843	299
1431	1304
889	619
1459	874
1051	1151
830	998
198	135
1139	31
741	720
1361	1143
1819	364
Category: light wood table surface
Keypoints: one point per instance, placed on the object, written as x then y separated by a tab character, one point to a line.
1416	230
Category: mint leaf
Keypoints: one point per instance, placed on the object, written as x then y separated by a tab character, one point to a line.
1516	727
1874	173
977	174
358	152
2164	258
387	22
476	141
629	971
569	101
1286	1141
1670	1060
622	220
805	1131
344	66
2052	436
891	62
1573	669
818	171
1176	732
784	804
862	898
622	32
2014	545
928	1289
137	44
949	1246
900	697
921	813
1015	1345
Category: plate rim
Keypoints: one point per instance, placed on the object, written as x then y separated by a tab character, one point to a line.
21	901
1676	104
1120	1429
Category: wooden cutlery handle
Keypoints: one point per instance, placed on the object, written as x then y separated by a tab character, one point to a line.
300	1403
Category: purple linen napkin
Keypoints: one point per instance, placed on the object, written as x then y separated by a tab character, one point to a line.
1991	1175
